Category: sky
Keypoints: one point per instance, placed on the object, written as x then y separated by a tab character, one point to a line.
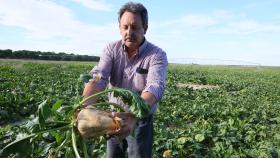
243	32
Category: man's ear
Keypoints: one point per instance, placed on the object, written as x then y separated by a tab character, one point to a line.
145	29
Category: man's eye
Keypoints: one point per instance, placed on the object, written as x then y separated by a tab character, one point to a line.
125	27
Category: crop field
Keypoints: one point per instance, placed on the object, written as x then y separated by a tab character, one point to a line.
207	111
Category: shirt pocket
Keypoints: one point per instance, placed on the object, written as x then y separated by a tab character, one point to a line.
139	82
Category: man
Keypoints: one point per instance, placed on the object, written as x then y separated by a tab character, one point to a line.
135	64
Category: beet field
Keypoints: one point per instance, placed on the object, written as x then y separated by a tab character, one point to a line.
207	111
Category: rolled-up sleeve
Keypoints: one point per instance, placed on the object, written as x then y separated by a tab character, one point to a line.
156	79
103	68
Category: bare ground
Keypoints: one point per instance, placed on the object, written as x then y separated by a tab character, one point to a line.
196	86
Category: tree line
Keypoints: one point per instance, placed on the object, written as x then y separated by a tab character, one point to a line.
38	55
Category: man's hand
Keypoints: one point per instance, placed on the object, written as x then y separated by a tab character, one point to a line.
129	124
149	98
89	90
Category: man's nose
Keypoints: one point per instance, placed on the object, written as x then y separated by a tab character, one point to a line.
130	31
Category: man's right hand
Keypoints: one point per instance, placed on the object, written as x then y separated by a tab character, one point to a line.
90	89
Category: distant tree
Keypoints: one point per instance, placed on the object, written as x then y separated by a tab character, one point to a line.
26	54
7	53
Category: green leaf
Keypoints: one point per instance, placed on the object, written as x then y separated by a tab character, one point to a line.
273	152
138	106
64	110
199	137
69	153
43	113
182	140
85	78
21	146
33	125
231	122
57	105
85	149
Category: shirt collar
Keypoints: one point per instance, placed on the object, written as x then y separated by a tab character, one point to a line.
140	50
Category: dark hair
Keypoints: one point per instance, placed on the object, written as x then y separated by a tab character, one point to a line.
135	8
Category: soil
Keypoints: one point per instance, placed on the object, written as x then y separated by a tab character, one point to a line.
196	86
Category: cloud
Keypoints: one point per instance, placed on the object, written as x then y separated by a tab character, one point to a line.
95	5
218	21
50	26
187	27
39	18
220	34
191	20
46	22
197	20
276	17
223	15
247	27
254	26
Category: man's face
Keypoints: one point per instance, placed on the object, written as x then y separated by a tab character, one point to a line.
132	30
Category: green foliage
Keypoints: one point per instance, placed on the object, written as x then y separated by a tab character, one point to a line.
138	106
237	119
240	118
55	126
85	78
17	147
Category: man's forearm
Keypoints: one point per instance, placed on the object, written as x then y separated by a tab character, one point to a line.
90	89
149	98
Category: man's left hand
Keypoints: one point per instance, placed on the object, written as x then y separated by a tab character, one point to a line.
129	124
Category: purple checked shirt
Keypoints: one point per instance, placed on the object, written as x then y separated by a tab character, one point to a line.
144	72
